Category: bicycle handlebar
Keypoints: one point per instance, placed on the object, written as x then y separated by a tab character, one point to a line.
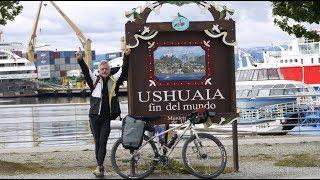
201	111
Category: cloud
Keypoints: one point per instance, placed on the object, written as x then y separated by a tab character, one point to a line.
104	23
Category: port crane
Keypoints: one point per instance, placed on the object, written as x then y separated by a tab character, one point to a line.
32	41
86	43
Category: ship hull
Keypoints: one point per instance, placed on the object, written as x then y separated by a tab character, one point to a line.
263	101
307	74
18	88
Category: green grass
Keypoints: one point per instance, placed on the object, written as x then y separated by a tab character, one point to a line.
258	157
177	167
12	168
300	160
173	167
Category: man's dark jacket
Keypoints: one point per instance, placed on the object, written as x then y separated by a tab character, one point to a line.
96	84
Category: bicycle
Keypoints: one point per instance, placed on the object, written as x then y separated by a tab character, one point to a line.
141	163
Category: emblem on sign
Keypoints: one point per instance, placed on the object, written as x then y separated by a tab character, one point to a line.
180	23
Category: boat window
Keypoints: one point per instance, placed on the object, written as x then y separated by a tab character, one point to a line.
245	93
264	92
241	75
290	91
237	73
253	93
249	75
279	86
286	61
319	60
262	75
268	86
255	75
311	60
295	60
299	85
281	61
301	61
245	76
276	92
303	90
239	87
309	48
248	87
291	60
273	74
257	87
316	48
238	93
290	86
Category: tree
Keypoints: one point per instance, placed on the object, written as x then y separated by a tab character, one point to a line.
9	10
302	12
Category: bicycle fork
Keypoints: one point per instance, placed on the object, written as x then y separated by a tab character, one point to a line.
197	143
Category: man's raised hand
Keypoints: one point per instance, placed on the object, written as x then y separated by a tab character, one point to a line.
78	55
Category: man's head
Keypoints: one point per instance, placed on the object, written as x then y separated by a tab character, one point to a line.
104	68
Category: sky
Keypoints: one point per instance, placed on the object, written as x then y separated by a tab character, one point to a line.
104	23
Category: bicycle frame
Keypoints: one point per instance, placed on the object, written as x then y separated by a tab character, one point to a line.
188	127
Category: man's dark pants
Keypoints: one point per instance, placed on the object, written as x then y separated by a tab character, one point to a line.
100	128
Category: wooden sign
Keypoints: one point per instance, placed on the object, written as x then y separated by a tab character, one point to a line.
175	70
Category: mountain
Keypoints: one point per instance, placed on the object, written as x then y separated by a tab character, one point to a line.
165	59
256	53
181	52
201	60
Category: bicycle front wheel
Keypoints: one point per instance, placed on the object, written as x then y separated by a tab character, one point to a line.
130	166
204	157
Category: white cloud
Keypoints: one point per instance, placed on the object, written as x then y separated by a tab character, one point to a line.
104	23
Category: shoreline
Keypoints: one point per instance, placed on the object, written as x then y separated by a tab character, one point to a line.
227	141
259	157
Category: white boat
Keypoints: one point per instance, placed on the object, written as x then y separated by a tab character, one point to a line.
261	85
259	127
17	74
300	61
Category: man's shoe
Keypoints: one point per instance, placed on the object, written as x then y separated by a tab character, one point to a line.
99	171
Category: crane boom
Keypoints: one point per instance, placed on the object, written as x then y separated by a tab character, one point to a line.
86	43
31	45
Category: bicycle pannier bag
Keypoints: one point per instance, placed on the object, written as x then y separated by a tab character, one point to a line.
132	133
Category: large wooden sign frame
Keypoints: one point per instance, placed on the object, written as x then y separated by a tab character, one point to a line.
162	84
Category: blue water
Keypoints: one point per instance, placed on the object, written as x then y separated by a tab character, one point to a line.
180	77
305	130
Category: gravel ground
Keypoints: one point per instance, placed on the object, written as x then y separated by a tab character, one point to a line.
257	157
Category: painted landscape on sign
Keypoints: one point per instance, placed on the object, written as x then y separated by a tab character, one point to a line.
179	63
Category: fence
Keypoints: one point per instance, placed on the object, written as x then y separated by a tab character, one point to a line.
46	125
67	124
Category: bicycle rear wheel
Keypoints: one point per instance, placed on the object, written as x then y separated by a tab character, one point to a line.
134	167
205	157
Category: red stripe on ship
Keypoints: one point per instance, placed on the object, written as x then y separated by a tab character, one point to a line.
311	74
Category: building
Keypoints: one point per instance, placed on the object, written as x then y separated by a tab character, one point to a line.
56	64
107	56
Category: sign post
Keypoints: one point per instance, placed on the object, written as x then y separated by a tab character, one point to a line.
179	66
